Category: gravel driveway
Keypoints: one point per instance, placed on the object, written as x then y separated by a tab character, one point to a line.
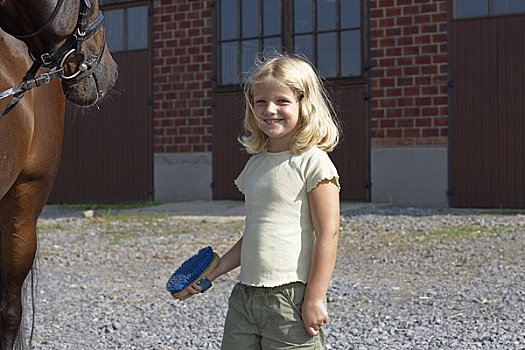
405	279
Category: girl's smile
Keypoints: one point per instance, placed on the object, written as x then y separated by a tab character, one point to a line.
277	108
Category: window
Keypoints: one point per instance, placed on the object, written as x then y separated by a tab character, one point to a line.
484	8
328	32
127	28
246	28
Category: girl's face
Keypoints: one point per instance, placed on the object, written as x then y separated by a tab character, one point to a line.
277	109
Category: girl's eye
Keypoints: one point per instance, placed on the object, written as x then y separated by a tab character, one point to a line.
258	102
283	101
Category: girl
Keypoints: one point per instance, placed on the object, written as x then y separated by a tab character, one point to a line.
288	249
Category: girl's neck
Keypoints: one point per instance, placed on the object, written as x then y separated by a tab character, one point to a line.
276	147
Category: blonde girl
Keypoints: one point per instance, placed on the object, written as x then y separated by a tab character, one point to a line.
288	249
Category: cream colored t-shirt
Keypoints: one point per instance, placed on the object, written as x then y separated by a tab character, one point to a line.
279	236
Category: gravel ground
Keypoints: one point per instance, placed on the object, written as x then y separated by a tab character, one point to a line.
405	279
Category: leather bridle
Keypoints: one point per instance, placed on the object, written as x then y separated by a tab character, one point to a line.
55	59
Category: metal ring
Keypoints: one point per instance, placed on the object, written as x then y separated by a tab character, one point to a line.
74	75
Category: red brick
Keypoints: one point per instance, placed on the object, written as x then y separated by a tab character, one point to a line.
411	112
411	132
440	122
405	142
411	91
405	101
424	142
432	111
394	113
404	21
430	132
421	122
387	123
410	10
387	102
394	133
378	133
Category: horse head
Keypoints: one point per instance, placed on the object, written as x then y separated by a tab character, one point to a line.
66	34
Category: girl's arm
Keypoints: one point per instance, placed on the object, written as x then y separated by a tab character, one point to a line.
228	262
324	209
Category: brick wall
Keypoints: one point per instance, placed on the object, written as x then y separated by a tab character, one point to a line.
409	72
182	76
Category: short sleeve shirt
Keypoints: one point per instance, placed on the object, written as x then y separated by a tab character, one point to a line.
279	236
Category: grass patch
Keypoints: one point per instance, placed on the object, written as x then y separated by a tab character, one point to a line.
460	232
109	216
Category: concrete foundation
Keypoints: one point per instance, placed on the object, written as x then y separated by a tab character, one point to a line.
410	176
182	176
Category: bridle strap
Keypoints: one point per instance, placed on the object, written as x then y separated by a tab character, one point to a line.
85	31
76	40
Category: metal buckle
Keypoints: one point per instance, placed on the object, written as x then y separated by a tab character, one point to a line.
46	60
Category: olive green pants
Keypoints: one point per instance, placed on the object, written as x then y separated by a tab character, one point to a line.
267	318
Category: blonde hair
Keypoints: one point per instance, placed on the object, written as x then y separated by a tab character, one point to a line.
317	123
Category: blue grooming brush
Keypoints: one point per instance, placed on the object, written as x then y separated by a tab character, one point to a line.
194	270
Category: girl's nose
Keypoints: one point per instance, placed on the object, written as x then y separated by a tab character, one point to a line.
271	108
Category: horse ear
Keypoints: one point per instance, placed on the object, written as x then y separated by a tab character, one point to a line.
88	4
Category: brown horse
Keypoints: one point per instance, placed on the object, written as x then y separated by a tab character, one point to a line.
66	36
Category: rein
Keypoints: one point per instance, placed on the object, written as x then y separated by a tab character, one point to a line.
55	60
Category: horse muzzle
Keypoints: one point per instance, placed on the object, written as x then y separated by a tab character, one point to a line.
86	90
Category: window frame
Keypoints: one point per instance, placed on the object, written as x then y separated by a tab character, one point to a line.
287	41
125	7
490	12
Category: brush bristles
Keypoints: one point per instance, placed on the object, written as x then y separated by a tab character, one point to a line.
190	270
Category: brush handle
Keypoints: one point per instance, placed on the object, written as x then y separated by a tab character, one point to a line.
204	283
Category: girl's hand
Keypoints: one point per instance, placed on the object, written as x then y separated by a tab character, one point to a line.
192	289
228	262
314	316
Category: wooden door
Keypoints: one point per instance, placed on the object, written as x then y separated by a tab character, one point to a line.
107	154
487	109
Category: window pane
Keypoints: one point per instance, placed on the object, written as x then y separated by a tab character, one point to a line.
471	8
250	18
272	44
351	53
137	28
500	7
326	14
326	55
114	26
350	13
228	19
302	14
271	17
303	45
229	69
250	49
